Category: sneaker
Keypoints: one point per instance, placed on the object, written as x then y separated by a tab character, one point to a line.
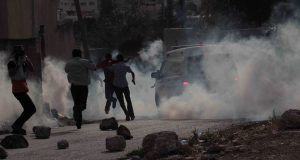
114	103
132	117
19	131
106	111
78	126
127	118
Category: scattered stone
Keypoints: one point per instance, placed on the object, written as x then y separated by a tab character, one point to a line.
3	153
109	124
41	132
14	141
290	119
116	143
63	144
161	143
125	132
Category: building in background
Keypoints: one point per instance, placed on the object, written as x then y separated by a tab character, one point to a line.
34	24
67	9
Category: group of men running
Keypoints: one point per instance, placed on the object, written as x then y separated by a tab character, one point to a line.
78	74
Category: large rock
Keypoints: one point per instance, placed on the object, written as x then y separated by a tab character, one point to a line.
116	143
109	124
290	119
14	141
63	144
161	143
3	153
124	131
41	132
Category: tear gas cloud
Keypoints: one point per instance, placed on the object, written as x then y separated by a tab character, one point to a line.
267	72
268	79
10	108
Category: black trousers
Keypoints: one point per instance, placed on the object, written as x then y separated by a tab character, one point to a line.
29	109
79	94
109	91
125	91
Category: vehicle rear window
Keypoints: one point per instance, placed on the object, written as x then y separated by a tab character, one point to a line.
172	67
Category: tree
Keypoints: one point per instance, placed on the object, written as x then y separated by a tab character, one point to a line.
236	13
125	25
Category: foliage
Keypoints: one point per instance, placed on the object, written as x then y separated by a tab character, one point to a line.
124	27
236	13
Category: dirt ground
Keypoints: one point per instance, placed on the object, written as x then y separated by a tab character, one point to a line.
243	141
246	141
262	141
89	142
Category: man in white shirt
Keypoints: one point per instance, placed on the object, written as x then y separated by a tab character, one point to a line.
78	70
121	86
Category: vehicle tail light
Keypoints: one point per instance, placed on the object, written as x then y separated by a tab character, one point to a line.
185	83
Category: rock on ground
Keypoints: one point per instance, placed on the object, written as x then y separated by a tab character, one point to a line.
3	153
161	143
63	144
116	143
125	132
290	119
14	141
42	132
109	124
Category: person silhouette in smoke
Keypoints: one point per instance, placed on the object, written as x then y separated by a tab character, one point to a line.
18	68
121	85
109	88
78	72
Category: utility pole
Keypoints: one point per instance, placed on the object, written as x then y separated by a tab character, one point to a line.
83	29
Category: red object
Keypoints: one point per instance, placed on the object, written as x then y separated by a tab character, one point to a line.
185	83
19	86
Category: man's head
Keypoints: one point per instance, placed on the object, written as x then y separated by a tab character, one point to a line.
108	56
76	53
120	58
18	51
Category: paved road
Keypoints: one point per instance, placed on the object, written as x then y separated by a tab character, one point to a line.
89	142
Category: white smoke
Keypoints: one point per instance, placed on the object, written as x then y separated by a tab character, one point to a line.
57	94
268	80
10	108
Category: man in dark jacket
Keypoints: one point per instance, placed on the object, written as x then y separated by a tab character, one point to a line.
121	86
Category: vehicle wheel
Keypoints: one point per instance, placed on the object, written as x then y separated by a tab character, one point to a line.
157	100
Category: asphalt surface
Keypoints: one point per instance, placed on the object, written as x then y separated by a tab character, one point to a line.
88	143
